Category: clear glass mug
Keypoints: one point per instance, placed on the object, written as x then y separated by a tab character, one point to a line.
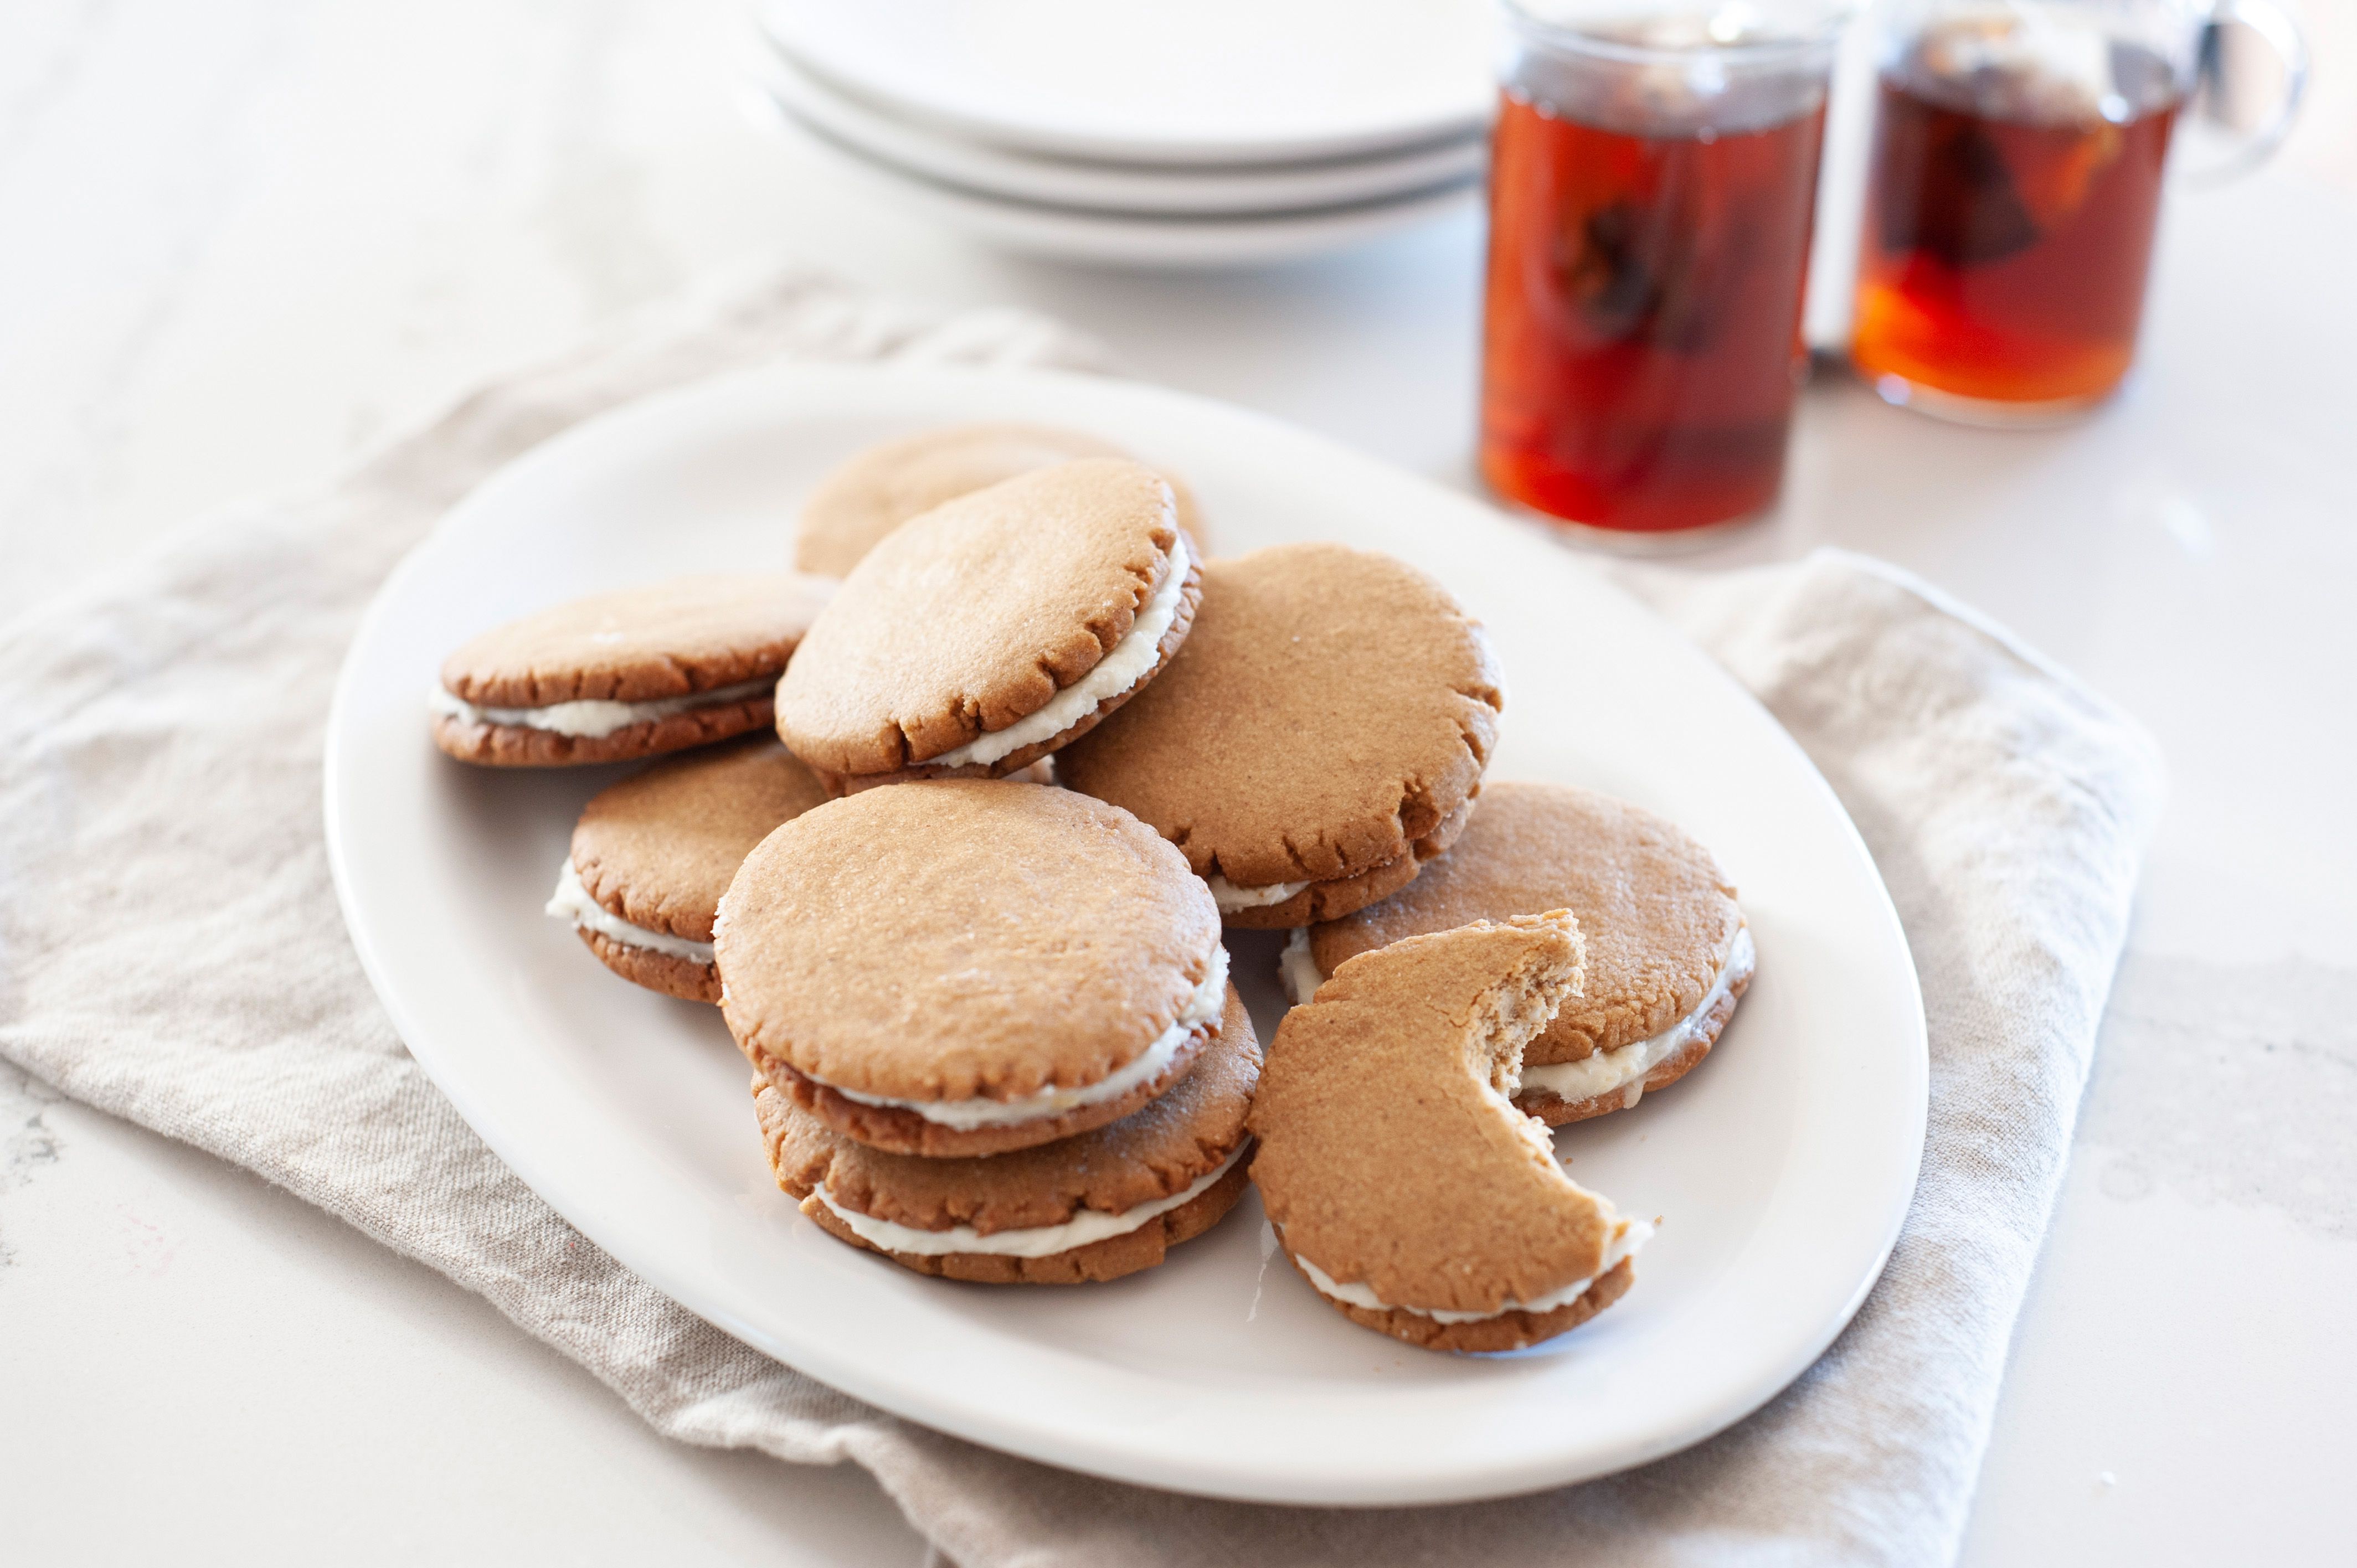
2016	182
1653	177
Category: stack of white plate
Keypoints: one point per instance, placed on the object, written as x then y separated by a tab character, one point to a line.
1146	133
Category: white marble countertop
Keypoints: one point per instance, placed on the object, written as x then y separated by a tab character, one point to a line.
247	240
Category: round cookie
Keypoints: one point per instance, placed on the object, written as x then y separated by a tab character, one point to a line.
1093	1206
1401	1182
652	855
966	966
876	490
1321	736
1669	953
994	629
623	675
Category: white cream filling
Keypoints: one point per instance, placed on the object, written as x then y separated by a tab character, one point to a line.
592	718
1204	1006
1039	1242
1230	897
571	901
1604	1071
1632	1235
1296	970
1590	1076
1116	672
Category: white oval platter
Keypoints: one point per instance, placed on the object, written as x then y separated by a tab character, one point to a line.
1781	1170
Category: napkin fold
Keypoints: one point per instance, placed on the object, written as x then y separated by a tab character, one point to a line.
171	951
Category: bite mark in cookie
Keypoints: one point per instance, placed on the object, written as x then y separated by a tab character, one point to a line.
1669	952
1399	1176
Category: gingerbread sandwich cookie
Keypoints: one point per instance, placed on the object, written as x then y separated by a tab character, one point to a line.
966	966
652	855
994	630
1669	953
618	676
1400	1180
876	490
1320	738
1093	1206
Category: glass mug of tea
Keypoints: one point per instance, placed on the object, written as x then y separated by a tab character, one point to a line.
2015	185
1653	177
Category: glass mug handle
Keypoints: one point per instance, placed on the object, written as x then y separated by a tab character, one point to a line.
2239	153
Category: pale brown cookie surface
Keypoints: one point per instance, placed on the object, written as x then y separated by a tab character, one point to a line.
1327	724
657	851
980	615
1145	1160
1331	901
876	490
1390	1160
676	664
973	954
659	848
1506	1331
1658	915
689	979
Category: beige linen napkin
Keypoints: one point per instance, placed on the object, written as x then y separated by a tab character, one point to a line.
170	951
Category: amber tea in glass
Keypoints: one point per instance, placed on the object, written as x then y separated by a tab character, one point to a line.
1652	187
2012	198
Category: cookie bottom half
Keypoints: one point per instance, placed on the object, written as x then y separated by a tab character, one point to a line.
673	976
1507	1331
1556	1111
1109	1259
904	1131
519	745
1349	894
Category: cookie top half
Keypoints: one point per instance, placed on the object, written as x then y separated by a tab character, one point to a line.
1332	708
967	948
1390	1157
876	490
626	674
674	639
991	631
1658	915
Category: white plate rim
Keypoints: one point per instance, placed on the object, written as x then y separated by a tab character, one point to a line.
1096	188
1212	1474
1145	242
829	59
